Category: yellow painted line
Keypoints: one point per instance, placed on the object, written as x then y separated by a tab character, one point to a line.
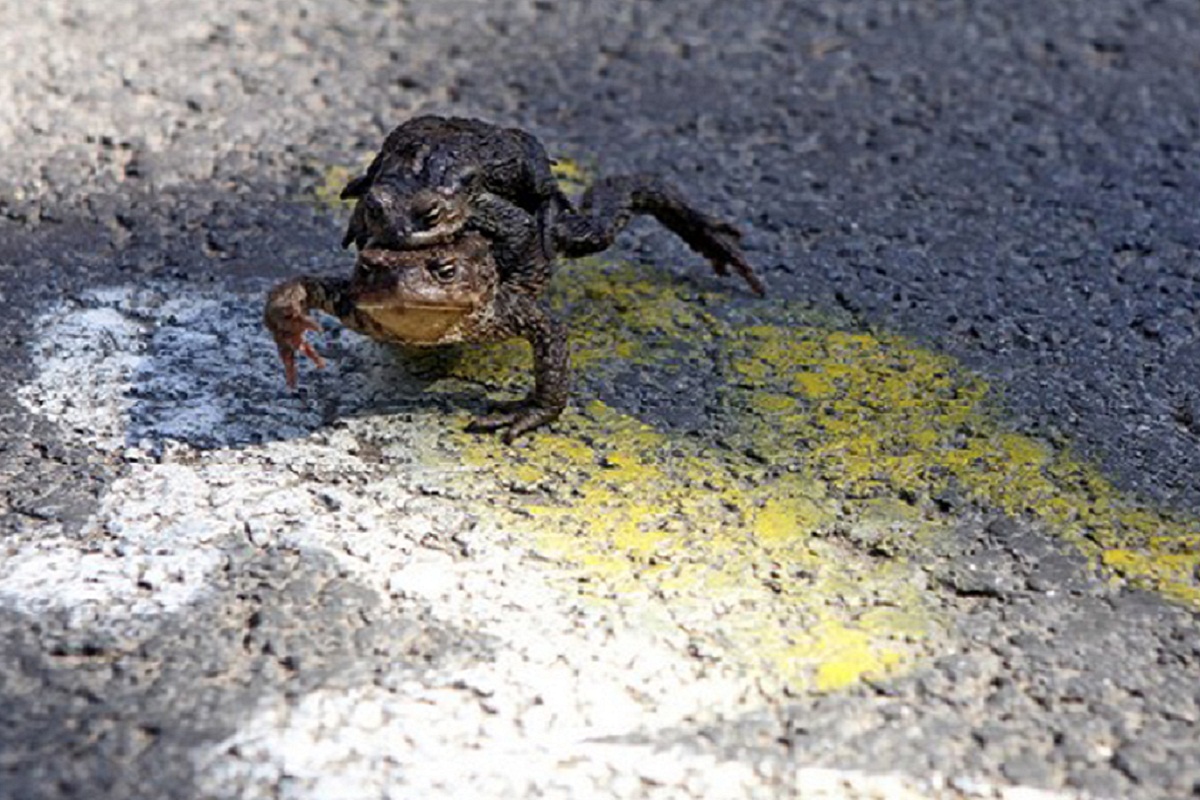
734	556
786	543
748	557
572	176
333	180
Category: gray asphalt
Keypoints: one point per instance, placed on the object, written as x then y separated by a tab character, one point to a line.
1014	184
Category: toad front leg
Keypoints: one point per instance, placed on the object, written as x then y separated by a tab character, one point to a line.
286	317
608	205
518	314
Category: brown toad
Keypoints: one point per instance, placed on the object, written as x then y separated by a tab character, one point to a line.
436	295
480	276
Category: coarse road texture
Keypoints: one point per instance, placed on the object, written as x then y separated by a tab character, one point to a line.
920	524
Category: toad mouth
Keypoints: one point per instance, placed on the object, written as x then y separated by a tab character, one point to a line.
394	305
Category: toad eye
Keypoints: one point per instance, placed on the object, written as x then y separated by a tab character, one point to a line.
443	270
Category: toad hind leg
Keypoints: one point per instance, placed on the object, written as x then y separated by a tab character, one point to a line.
608	205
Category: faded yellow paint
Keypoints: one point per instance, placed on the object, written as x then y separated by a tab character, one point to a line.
902	420
840	654
857	420
782	546
333	180
681	523
1174	573
736	553
572	176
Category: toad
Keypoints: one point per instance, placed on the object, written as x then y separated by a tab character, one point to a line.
436	295
435	176
484	283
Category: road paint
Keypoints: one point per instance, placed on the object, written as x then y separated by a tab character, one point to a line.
188	393
328	192
787	546
867	415
634	579
397	752
731	554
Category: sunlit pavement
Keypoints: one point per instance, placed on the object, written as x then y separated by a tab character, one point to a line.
918	524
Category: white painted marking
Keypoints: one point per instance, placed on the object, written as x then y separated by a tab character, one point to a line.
134	375
187	391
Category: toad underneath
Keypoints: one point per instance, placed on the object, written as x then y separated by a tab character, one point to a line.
478	274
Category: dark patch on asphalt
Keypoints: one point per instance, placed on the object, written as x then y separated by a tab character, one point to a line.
111	713
52	250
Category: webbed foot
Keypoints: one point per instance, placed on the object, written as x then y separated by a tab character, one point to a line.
517	418
287	319
720	243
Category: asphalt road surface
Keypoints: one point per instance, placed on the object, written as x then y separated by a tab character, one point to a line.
922	523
